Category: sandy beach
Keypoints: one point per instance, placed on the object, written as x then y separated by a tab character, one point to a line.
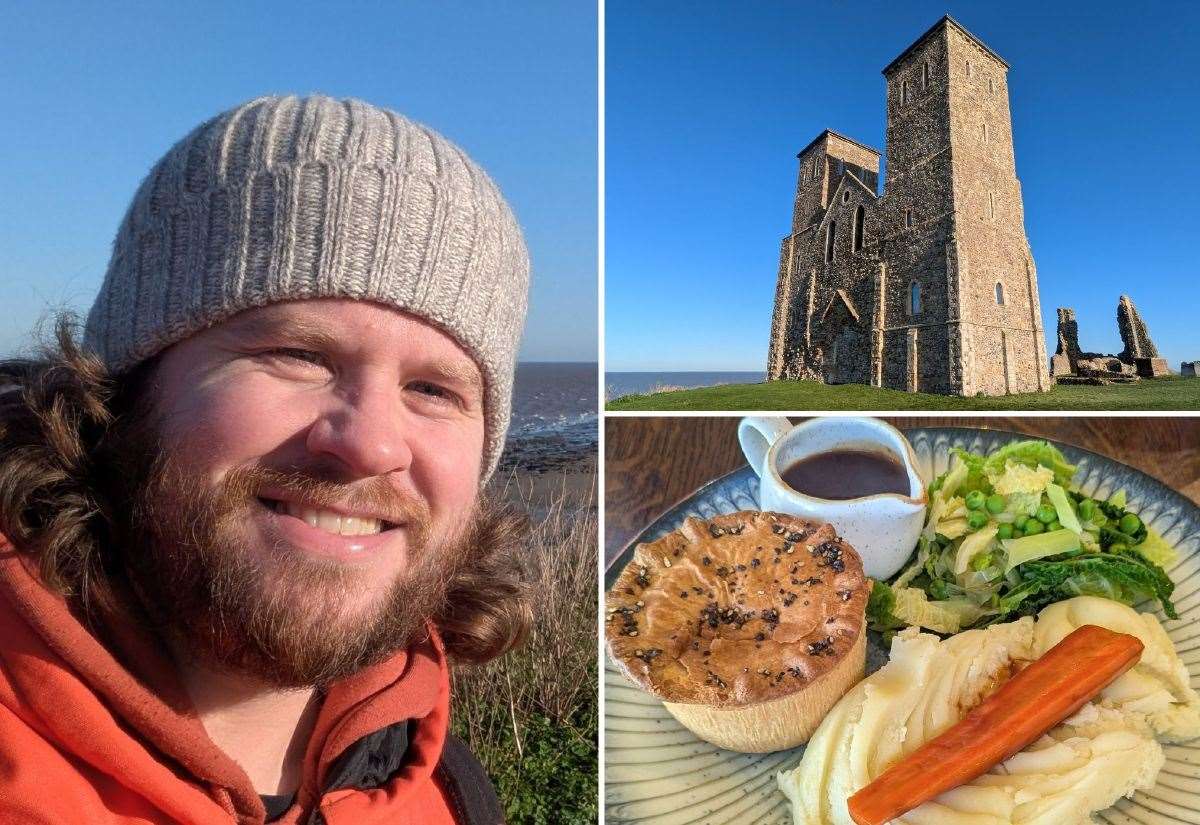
575	480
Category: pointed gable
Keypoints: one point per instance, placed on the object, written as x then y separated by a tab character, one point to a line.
840	297
848	181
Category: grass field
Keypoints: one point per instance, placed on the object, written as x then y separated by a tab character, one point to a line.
1172	393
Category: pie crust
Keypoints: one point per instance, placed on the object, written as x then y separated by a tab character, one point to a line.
748	626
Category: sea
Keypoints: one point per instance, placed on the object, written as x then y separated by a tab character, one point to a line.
554	417
617	384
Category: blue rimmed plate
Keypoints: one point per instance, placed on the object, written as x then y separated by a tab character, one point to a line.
658	773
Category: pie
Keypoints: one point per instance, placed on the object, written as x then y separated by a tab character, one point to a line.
748	626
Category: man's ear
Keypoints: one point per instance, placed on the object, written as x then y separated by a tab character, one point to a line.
136	392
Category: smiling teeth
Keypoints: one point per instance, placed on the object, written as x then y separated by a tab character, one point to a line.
329	521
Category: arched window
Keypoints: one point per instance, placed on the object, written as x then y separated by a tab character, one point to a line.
999	293
991	85
985	133
908	219
846	196
860	216
904	93
914	299
803	174
991	204
968	68
925	75
830	234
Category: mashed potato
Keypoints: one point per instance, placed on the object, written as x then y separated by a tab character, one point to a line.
1105	751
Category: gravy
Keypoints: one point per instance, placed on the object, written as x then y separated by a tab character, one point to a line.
843	474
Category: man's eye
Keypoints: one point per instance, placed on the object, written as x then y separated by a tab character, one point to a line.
431	389
306	356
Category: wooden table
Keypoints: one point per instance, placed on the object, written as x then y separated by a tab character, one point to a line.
653	463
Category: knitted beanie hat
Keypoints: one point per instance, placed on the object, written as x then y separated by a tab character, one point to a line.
285	198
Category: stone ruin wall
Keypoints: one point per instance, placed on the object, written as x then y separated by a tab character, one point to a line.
919	353
1134	336
1004	348
780	333
863	162
812	316
921	340
803	251
821	159
1138	358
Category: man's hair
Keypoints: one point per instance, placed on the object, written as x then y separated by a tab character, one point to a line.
62	498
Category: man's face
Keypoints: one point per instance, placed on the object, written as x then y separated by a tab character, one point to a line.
324	464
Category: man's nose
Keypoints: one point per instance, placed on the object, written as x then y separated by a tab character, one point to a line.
364	430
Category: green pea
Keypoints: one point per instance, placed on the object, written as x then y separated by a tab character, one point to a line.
1004	531
1117	547
974	500
1018	534
1019	522
981	562
995	503
977	520
1087	509
1129	524
1052	526
1046	514
1033	527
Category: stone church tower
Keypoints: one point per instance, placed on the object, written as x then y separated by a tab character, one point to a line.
930	286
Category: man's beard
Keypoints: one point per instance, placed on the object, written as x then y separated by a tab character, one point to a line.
275	614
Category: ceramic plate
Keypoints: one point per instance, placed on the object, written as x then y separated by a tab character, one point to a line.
658	773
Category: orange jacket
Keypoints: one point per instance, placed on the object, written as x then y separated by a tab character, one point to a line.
85	740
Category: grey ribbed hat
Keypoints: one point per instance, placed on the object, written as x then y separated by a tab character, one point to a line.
284	198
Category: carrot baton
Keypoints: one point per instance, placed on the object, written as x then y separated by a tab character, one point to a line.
1026	706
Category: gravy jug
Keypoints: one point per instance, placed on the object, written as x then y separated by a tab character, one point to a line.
884	527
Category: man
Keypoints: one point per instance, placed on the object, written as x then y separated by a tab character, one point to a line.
242	526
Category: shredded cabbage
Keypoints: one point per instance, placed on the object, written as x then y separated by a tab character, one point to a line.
1005	536
947	616
1156	549
1022	486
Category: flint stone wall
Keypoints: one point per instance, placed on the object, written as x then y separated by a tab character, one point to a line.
1151	367
1068	341
1134	336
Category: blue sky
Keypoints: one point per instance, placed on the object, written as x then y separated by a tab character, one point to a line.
94	93
708	103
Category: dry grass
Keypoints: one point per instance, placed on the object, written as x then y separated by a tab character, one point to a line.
548	674
536	709
657	388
